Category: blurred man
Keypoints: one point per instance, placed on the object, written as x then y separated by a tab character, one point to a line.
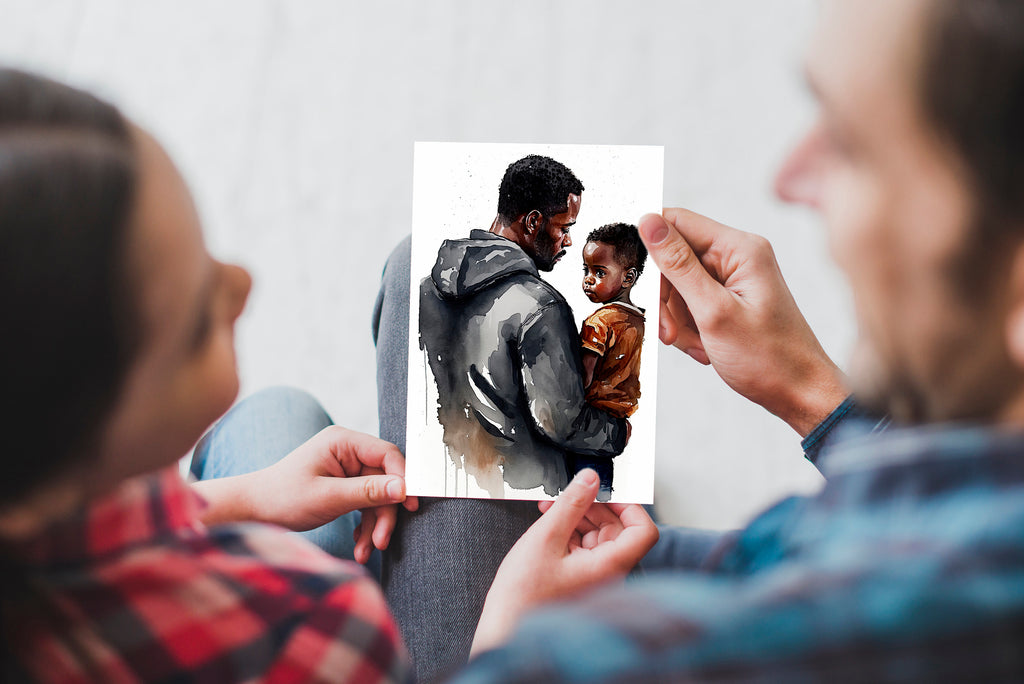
910	563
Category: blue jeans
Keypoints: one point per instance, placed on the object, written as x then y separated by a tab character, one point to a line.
256	433
443	557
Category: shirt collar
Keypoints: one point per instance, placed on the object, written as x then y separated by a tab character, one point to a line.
630	307
140	510
857	450
921	463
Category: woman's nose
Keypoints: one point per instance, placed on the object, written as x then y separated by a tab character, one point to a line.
240	284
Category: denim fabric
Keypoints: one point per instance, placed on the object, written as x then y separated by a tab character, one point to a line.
848	420
443	557
683	548
256	433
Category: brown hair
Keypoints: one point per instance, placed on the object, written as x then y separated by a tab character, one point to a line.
973	94
67	184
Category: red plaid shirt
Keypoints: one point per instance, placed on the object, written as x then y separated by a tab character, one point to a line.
135	588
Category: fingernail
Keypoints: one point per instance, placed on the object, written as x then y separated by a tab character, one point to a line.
587	476
395	489
653	229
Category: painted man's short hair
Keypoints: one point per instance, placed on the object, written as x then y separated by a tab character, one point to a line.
536	182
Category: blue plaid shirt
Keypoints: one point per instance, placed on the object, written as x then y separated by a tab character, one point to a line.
908	565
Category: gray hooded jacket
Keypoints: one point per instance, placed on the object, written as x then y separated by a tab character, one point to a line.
505	353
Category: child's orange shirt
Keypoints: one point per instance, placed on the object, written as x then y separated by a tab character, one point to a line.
615	333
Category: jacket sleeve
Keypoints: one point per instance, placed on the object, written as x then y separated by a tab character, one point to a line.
552	375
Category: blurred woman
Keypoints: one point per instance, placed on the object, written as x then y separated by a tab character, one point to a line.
117	353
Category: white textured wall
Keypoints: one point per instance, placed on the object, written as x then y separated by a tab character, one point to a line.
294	120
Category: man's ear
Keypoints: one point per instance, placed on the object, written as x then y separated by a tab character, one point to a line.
630	276
533	221
1015	316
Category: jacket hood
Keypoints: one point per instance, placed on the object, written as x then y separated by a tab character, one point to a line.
468	265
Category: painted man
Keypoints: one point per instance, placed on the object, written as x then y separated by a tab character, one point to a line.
502	343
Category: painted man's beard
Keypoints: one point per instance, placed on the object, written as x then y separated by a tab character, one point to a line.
544	254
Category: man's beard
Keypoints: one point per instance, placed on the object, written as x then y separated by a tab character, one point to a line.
544	255
884	388
967	375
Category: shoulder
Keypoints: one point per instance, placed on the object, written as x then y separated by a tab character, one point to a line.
612	316
532	297
606	314
537	289
817	620
243	584
265	559
623	312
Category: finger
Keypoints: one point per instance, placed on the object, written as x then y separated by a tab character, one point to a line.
585	525
667	328
560	521
683	336
411	503
346	494
699	231
590	539
631	515
686	333
354	450
364	542
600	514
699	355
386	516
680	265
635	539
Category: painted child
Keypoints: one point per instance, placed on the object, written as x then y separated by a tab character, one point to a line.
613	259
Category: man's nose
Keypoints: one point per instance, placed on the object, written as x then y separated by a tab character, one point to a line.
568	240
799	178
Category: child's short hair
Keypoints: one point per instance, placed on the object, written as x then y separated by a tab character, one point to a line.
625	239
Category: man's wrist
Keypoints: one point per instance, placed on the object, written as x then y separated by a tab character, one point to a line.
811	402
494	626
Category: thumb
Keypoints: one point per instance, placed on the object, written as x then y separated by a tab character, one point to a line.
367	491
565	514
679	264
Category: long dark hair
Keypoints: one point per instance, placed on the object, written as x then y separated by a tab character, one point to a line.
67	188
67	184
